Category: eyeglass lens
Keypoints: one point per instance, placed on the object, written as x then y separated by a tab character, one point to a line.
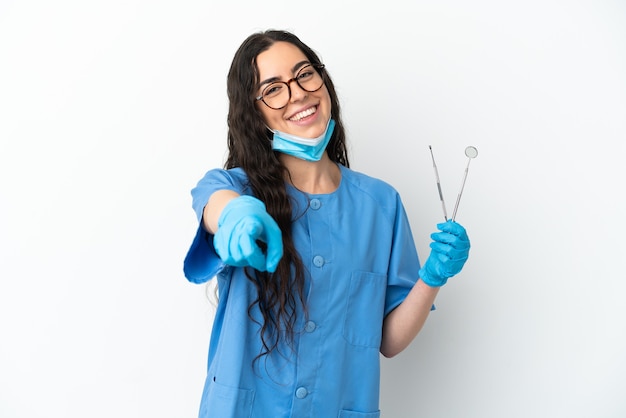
277	94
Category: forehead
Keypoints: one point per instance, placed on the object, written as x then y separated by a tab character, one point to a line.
278	59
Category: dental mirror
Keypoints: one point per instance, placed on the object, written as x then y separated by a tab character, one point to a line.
471	153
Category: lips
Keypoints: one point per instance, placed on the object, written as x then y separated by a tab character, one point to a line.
303	114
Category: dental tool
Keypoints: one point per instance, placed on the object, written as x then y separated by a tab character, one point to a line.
471	153
443	203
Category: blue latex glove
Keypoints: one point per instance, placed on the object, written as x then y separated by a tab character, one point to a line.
449	251
244	223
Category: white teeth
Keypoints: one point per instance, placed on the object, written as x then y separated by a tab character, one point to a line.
304	113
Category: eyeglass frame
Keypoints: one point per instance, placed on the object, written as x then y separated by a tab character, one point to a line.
316	67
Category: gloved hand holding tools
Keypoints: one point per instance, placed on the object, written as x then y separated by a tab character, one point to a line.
449	251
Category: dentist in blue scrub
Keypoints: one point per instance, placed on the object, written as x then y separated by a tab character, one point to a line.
316	266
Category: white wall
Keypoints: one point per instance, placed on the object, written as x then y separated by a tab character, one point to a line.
110	111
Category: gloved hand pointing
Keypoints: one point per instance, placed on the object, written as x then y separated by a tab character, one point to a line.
449	251
242	223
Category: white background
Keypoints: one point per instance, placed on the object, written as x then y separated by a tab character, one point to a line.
110	111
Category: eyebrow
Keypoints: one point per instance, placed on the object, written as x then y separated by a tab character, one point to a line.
293	70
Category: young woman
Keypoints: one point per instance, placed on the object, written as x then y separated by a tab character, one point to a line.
316	266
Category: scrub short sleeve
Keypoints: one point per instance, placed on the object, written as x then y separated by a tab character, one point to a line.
202	262
404	263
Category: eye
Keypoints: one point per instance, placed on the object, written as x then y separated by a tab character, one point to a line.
306	72
273	90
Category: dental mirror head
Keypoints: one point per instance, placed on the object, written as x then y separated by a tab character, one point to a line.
471	152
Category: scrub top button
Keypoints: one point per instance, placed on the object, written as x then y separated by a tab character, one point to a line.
310	326
315	204
301	393
318	261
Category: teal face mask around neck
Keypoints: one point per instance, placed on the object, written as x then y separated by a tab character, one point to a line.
309	149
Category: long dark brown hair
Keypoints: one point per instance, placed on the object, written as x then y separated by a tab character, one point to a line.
249	147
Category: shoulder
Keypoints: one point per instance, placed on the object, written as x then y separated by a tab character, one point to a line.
233	175
373	187
218	178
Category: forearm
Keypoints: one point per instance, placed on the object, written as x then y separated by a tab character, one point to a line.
214	207
403	324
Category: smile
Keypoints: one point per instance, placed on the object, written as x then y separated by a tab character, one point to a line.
301	115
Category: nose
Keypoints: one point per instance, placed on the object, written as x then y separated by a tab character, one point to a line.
296	92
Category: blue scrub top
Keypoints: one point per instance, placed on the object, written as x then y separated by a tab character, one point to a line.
357	246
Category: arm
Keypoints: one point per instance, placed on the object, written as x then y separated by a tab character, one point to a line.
202	261
403	324
213	209
449	251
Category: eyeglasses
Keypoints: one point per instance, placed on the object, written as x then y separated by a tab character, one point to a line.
277	94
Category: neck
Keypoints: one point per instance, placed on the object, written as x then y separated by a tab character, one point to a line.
314	177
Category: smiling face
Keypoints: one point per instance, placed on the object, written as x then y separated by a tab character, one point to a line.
307	113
